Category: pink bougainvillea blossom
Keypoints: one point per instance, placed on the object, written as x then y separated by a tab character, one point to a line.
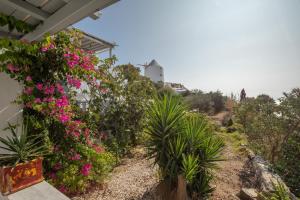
60	88
63	189
63	118
86	168
37	100
73	81
28	79
49	89
12	68
57	166
28	90
98	148
39	86
63	101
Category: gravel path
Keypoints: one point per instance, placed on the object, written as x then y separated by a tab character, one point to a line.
132	180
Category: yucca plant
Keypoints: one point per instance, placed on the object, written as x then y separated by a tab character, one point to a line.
279	193
182	144
21	148
165	118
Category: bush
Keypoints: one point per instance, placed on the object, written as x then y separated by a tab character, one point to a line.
183	144
122	108
289	163
76	172
210	103
273	131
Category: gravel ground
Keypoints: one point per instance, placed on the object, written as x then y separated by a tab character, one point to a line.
132	180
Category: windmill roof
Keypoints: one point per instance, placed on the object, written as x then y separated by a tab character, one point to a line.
154	63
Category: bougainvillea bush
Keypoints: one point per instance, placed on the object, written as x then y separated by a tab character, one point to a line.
53	72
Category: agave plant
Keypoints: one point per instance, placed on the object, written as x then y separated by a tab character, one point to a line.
182	144
21	148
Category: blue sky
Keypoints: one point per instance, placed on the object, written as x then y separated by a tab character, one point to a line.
209	44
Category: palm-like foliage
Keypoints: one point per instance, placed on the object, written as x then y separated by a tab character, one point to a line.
165	119
21	148
280	193
182	143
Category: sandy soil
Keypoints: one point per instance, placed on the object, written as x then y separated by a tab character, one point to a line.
132	180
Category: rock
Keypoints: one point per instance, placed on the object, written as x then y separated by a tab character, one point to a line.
248	194
250	154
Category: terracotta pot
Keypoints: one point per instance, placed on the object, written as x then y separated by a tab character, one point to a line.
23	175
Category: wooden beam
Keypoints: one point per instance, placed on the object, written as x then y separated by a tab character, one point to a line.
71	13
27	8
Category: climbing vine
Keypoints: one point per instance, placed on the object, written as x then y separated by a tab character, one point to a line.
14	23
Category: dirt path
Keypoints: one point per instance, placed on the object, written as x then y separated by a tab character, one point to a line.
227	181
135	177
132	180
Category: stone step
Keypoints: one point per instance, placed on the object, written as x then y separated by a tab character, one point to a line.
40	191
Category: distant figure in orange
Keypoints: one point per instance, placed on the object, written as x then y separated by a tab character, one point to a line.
243	95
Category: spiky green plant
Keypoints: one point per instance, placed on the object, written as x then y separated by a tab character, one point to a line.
21	148
182	144
279	193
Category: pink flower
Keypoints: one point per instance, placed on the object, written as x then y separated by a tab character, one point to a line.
52	175
28	90
37	100
77	83
86	168
49	90
60	88
63	118
76	57
39	86
63	189
76	157
76	134
98	148
12	68
71	64
28	79
44	49
28	105
63	101
57	166
104	90
73	82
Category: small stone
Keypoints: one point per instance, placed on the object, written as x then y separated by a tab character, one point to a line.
248	194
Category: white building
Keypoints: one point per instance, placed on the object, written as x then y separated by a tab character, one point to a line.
154	71
177	87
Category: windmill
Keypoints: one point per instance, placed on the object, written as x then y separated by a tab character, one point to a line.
144	65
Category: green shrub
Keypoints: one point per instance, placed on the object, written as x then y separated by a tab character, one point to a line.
75	174
289	163
279	193
182	143
210	103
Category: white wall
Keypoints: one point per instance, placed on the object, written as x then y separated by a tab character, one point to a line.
155	73
9	112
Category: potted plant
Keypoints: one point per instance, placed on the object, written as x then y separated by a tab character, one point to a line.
21	164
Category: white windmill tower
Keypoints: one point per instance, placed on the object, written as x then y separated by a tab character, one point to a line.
154	71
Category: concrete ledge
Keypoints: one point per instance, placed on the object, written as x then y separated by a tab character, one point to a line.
40	191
